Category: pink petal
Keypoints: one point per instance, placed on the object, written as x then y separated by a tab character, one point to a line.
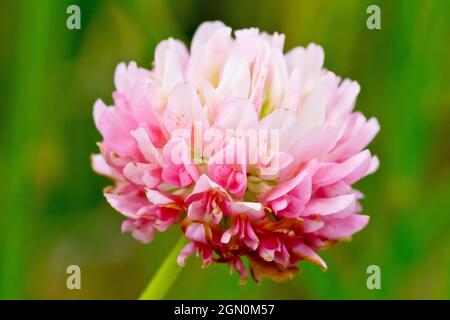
309	61
209	49
302	181
260	74
305	252
146	147
239	266
143	174
327	206
227	235
345	100
143	232
158	198
352	170
187	251
312	113
235	79
228	168
285	123
267	248
236	113
343	228
314	144
183	108
362	132
196	232
204	33
254	210
312	225
100	166
171	57
99	109
204	184
127	204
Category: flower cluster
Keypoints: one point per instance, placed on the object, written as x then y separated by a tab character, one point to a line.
250	151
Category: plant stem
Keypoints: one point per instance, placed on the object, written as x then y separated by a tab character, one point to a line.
166	275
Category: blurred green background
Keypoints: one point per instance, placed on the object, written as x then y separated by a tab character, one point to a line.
53	214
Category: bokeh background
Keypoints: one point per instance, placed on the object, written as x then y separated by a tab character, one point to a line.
53	214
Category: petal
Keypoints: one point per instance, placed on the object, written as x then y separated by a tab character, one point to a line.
141	231
100	166
115	132
305	252
351	170
312	225
187	251
292	94
126	77
158	198
286	125
120	77
144	105
312	113
267	248
343	228
228	234
235	79
326	206
277	79
204	184
301	184
239	266
236	113
309	61
204	33
127	204
228	168
314	144
99	108
374	164
361	133
171	57
209	49
183	108
345	101
259	76
148	150
143	174
196	232
254	210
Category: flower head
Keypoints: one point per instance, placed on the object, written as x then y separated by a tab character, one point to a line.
250	150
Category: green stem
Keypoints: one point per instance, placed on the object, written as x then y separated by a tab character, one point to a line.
166	275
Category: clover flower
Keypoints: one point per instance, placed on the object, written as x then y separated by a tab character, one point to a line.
252	152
